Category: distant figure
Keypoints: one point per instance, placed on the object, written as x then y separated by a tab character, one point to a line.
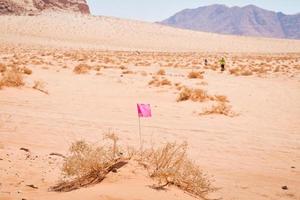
205	62
222	63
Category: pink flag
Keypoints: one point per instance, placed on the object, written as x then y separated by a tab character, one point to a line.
144	110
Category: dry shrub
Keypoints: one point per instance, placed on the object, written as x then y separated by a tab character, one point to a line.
194	75
2	68
98	68
165	82
82	69
127	72
40	86
88	164
123	67
277	69
143	73
161	72
220	109
235	71
193	94
159	82
12	78
178	86
26	70
85	159
246	73
170	165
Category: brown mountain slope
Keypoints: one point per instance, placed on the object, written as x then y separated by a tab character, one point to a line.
31	7
249	20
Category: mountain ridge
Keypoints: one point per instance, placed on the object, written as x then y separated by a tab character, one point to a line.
33	7
249	20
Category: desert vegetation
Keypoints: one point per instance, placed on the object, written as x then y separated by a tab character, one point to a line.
195	75
157	82
88	164
170	165
221	108
40	86
199	95
11	78
161	72
82	69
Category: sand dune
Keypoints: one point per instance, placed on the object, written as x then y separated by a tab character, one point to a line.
250	155
111	33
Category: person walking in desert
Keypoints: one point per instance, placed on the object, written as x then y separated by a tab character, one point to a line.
222	63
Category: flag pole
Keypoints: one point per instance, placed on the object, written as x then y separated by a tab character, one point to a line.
141	148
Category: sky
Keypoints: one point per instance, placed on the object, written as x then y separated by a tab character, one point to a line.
158	10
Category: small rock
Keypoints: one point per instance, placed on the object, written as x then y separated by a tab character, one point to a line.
293	167
24	199
284	187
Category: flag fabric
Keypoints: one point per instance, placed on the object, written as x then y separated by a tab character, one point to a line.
144	110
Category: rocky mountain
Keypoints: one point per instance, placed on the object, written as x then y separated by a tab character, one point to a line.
249	20
32	7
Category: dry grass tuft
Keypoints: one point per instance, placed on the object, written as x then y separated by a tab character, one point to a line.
193	95
169	165
194	75
220	109
161	72
12	78
40	86
82	69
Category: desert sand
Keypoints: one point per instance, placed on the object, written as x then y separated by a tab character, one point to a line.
250	154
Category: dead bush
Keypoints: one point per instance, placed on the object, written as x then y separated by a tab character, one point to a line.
246	73
195	75
2	68
159	82
170	165
161	72
82	69
235	71
12	78
88	164
193	95
40	86
26	70
220	109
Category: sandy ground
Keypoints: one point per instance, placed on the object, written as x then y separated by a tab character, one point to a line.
112	33
250	156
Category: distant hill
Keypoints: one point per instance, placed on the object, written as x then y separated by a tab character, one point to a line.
249	20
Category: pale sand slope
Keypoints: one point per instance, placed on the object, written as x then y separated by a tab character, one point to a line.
112	33
250	156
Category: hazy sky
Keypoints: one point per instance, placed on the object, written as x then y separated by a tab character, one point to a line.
157	10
